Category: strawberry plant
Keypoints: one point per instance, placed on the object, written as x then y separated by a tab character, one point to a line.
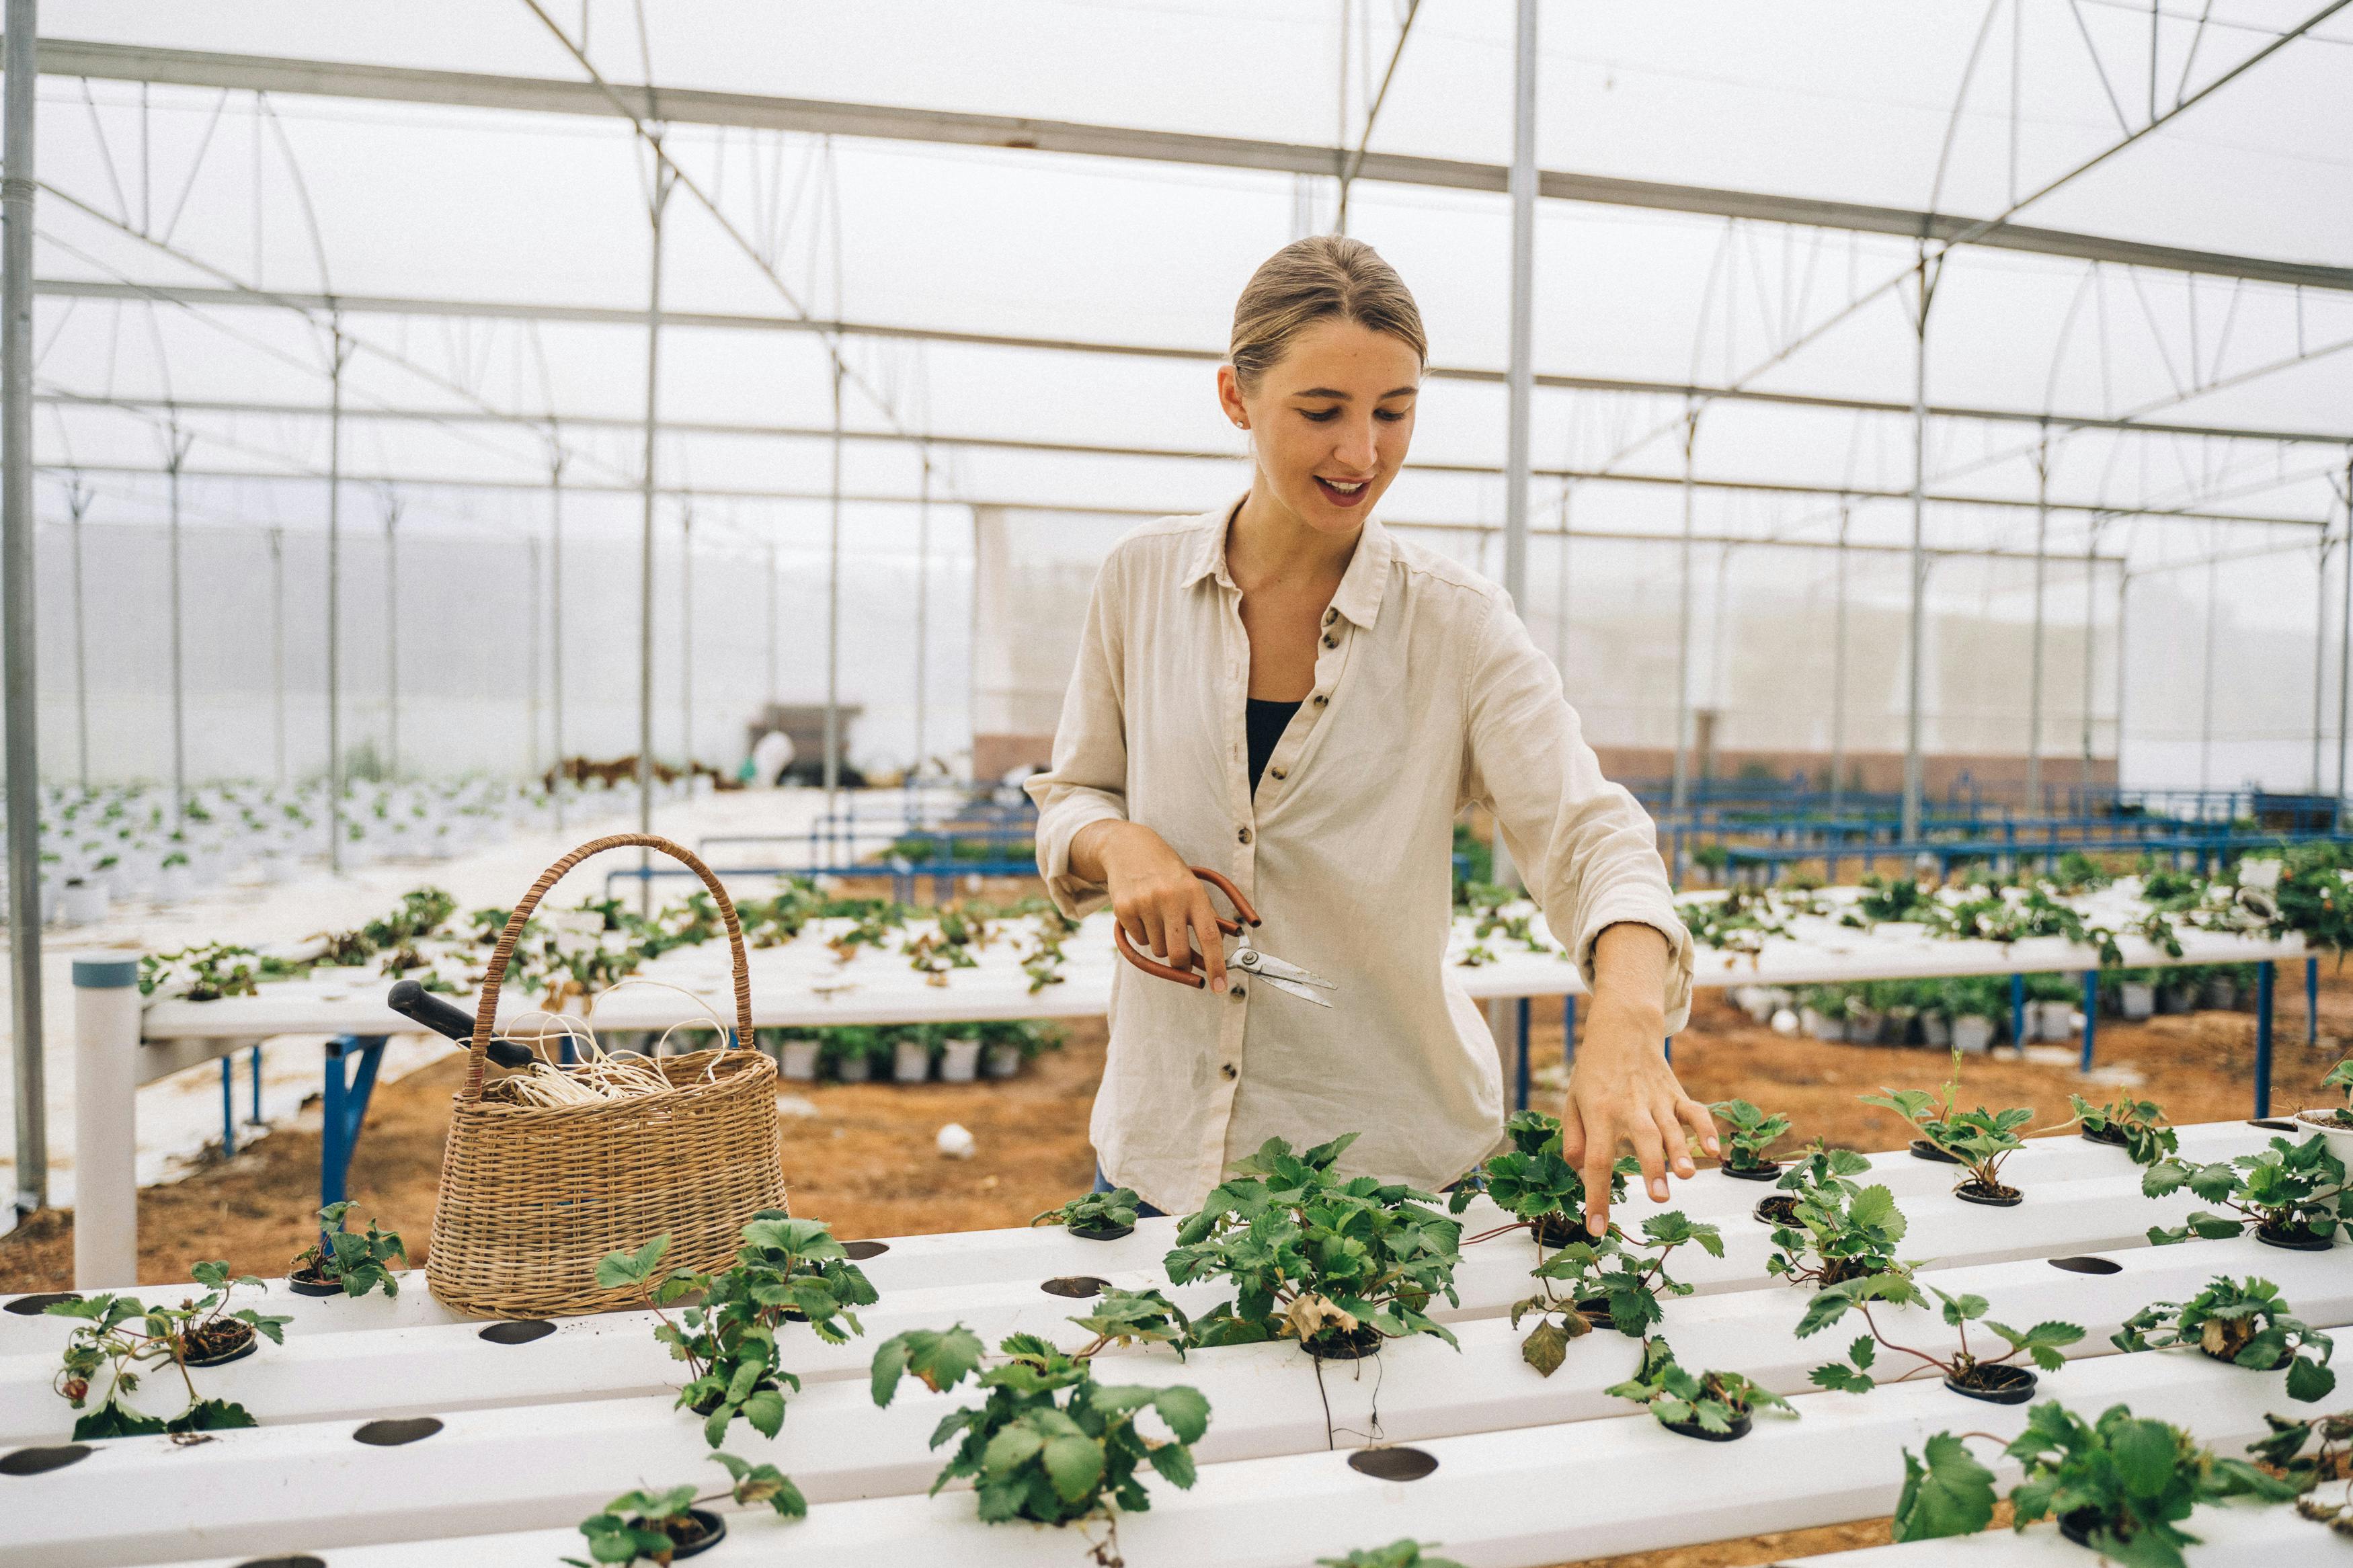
1749	1132
2289	1193
1095	1216
1714	1406
118	1337
1338	1264
1608	1280
1990	1377
1543	1192
2282	1455
786	1271
1836	1229
657	1526
1406	1553
2136	1126
342	1260
1048	1443
2120	1486
1980	1140
2242	1321
2340	1078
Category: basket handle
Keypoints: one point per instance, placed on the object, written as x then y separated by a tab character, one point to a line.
486	1010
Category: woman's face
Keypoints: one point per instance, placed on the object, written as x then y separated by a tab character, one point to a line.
1331	421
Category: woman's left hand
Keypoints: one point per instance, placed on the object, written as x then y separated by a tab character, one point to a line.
1622	1090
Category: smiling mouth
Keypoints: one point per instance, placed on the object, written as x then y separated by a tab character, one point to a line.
1343	493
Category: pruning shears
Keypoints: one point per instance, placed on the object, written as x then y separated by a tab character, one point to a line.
1286	977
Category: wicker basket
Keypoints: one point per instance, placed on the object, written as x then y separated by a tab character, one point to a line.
532	1197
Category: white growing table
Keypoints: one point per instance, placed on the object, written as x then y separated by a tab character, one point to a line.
1530	1472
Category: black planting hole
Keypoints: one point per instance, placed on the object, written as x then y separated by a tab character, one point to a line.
392	1434
33	1306
1393	1463
862	1251
1077	1287
2274	1125
2088	1265
304	1561
520	1332
41	1461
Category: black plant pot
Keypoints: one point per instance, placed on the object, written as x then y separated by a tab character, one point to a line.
1779	1209
1557	1231
2299	1241
1924	1150
2078	1526
212	1355
1993	1197
2108	1135
310	1282
1101	1233
714	1531
1995	1384
1740	1426
1595	1309
1762	1171
1333	1344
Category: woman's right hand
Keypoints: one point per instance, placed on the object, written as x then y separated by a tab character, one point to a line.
1157	899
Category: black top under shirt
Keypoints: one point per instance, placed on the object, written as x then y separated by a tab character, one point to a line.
1265	721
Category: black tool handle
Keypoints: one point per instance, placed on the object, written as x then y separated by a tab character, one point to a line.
419	1005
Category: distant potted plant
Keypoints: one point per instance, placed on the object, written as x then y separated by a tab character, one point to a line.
1750	1134
2244	1322
796	1052
960	1057
853	1051
343	1263
665	1526
1713	1407
2336	1121
911	1054
118	1336
1991	1378
1406	1553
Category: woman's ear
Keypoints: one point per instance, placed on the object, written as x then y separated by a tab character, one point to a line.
1229	397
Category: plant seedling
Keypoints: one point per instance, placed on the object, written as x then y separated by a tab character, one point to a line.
1609	1271
2289	1193
1837	1229
1967	1372
1095	1216
1980	1140
1542	1191
2340	1078
2136	1126
358	1263
2282	1454
1749	1133
1049	1444
655	1525
1338	1265
1406	1553
119	1336
2242	1321
787	1270
1713	1404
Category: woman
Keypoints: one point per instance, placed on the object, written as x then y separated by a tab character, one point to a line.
1284	691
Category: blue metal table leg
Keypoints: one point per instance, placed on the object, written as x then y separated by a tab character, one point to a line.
254	1062
2312	1001
1519	1089
2018	1011
228	1107
1568	1032
1671	1047
2263	1040
344	1110
2090	1013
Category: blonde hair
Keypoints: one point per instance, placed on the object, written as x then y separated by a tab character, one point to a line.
1314	279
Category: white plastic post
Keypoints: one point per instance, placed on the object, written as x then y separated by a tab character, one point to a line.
106	1121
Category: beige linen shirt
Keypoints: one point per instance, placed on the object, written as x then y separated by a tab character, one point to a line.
1428	694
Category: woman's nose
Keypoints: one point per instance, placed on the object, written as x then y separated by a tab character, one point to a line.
1355	448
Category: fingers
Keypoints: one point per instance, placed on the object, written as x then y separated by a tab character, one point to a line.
1696	1116
1211	940
1674	1141
1600	1154
1175	916
1130	920
1643	1132
1155	929
1572	1132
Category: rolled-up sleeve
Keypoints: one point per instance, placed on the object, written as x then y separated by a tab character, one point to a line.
1088	782
1585	847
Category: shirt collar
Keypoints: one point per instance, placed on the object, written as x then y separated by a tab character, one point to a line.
1361	586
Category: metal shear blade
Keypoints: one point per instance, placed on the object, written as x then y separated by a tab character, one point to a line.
1287	978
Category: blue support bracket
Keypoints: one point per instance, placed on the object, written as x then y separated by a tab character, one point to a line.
1520	1078
2090	1013
228	1107
1568	1032
2312	1001
256	1060
345	1109
2264	1038
2018	1011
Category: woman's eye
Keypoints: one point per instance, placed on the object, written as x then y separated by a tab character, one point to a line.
1320	415
1391	415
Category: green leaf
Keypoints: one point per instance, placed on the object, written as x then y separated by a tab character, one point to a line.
766	1411
1076	1465
1545	1347
2307	1380
2144	1454
1185	1410
1175	1461
615	1269
1945	1492
1012	1449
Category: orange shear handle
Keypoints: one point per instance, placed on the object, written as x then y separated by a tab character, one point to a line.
1193	977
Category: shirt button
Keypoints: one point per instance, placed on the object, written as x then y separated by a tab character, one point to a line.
1230	1070
1279	773
1330	640
1330	615
1321	700
1238	994
1245	835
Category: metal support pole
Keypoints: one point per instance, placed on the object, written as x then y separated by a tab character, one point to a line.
2264	981
179	450
228	1106
686	644
1914	676
392	637
833	605
531	653
1682	797
2091	1014
1568	1031
2091	647
2320	651
662	178
254	1067
1520	1076
1838	678
2206	696
555	621
278	653
1520	373
2041	563
77	503
922	615
2017	1010
17	74
335	603
2312	1001
2345	643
